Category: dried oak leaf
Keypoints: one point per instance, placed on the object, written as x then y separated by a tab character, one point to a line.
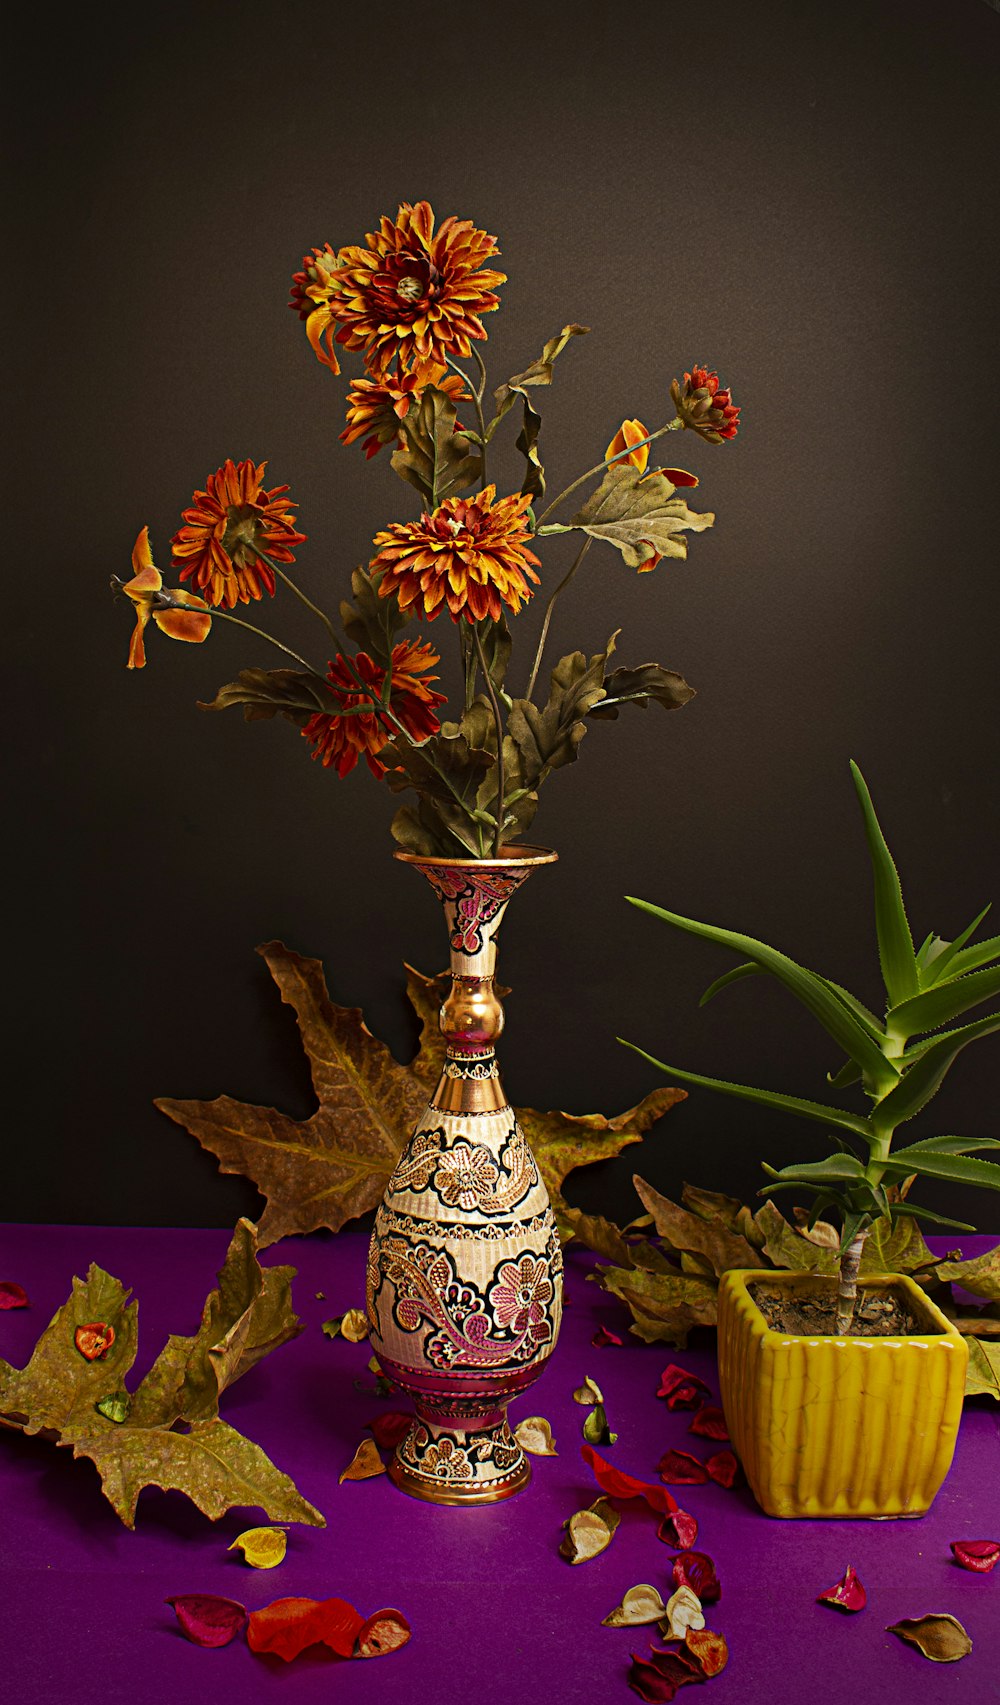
666	1306
59	1392
982	1374
937	1635
981	1275
330	1168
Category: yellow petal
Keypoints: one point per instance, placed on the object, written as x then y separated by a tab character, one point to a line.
189	625
263	1547
534	1434
364	1464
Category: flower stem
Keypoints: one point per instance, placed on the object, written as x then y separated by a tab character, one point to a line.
280	574
550	606
622	455
501	778
477	397
237	621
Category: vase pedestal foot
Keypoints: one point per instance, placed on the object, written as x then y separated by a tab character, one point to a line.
449	1465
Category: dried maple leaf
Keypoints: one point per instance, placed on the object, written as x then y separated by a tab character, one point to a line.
330	1168
62	1394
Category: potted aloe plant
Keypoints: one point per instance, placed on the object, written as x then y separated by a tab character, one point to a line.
843	1395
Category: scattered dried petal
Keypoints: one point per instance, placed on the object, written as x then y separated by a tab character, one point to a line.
681	1389
596	1430
94	1340
679	1468
117	1407
640	1605
534	1435
683	1612
289	1625
12	1296
206	1620
353	1326
658	1677
262	1547
588	1393
977	1554
937	1635
602	1337
848	1594
384	1632
617	1484
709	1650
679	1528
696	1570
364	1464
710	1423
723	1468
389	1429
589	1532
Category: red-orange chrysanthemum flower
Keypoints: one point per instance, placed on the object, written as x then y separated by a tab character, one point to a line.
704	407
342	740
413	294
470	554
312	296
376	406
629	437
231	519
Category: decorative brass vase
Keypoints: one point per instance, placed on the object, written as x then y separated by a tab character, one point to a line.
464	1283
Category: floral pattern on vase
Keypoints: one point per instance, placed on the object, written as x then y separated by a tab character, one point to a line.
464	1281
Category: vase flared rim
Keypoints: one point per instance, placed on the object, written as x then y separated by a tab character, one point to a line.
524	856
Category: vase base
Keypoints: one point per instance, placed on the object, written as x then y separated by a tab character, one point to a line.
422	1486
456	1464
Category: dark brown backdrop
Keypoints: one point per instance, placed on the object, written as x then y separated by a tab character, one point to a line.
800	194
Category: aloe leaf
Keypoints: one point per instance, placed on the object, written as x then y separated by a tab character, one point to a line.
735	976
764	1097
940	1004
847	1031
953	1168
898	1209
834	1169
952	1145
936	964
849	1073
895	943
864	1016
853	1224
923	1079
971	958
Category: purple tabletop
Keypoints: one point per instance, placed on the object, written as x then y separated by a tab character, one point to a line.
496	1613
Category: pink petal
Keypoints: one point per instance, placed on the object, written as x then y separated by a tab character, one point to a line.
977	1554
679	1468
848	1594
12	1296
710	1423
678	1528
696	1570
206	1620
723	1468
603	1337
681	1389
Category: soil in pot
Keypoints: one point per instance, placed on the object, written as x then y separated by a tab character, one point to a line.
881	1313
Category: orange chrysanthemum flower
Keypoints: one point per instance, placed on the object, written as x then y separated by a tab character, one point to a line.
145	590
412	295
231	520
377	406
313	292
470	554
342	740
632	432
704	407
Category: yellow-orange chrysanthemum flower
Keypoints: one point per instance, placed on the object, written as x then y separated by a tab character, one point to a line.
191	623
342	740
376	406
230	520
413	294
470	555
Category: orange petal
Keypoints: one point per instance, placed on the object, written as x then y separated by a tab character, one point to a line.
137	648
142	555
189	625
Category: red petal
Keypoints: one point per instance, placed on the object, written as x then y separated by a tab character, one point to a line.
658	1677
602	1337
848	1594
977	1554
289	1625
678	476
723	1468
709	1423
696	1570
679	1468
709	1650
680	1528
94	1341
384	1632
12	1296
206	1620
390	1428
617	1484
680	1388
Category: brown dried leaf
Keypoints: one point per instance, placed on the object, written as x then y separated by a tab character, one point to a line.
607	1239
982	1374
534	1435
364	1464
690	1233
665	1306
640	1605
561	1142
640	515
981	1275
937	1635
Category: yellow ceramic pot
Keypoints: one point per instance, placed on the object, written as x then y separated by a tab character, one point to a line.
839	1426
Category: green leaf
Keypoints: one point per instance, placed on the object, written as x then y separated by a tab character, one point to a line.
895	943
942	1003
370	622
971	958
941	954
980	1275
266	693
923	1079
736	975
639	514
648	684
847	1030
953	1145
835	1169
549	738
539	373
437	460
900	1210
953	1168
665	1307
764	1097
